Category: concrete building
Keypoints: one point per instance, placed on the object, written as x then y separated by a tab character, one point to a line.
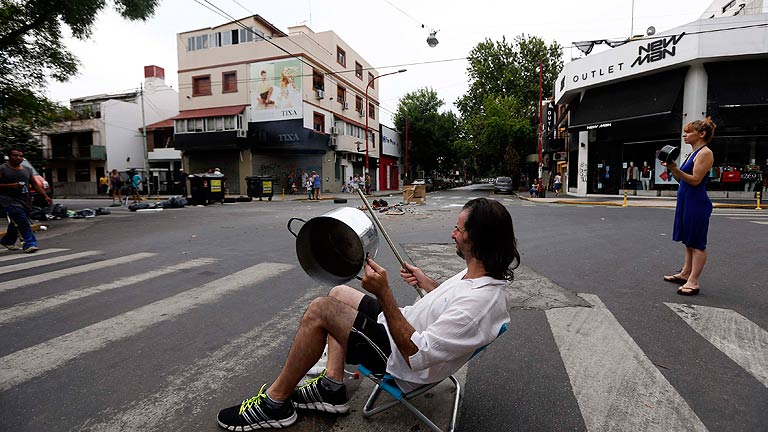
391	161
106	135
257	101
625	104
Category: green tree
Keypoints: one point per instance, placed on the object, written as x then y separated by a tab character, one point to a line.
499	112
431	133
32	51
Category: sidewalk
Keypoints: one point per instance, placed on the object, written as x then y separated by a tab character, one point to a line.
616	201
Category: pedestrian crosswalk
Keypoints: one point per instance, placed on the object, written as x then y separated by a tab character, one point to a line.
616	385
758	217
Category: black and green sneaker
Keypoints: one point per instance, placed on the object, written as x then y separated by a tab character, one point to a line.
322	394
258	412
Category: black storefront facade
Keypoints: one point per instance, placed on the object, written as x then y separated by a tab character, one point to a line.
625	104
270	148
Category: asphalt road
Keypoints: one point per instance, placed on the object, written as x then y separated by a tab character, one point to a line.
155	321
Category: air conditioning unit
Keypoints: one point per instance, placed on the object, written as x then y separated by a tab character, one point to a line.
319	94
332	141
361	113
559	156
241	133
334	131
346	105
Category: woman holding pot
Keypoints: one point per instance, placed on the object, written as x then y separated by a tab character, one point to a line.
693	205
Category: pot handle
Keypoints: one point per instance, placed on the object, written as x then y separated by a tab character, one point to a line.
290	221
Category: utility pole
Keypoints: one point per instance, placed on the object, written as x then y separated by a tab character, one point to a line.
144	137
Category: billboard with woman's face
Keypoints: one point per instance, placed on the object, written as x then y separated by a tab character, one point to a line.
275	88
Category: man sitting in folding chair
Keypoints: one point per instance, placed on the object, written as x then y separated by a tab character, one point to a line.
420	344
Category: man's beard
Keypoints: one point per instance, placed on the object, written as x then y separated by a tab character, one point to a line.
459	252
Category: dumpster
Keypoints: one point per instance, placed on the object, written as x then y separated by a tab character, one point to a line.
206	188
260	187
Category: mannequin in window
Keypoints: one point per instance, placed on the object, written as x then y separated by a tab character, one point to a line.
633	174
645	175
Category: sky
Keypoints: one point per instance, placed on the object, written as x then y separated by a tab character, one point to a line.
386	33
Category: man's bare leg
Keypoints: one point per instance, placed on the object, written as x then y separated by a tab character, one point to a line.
337	352
326	318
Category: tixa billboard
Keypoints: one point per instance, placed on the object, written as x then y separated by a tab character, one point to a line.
275	88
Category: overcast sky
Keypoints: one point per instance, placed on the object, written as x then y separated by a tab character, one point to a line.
113	59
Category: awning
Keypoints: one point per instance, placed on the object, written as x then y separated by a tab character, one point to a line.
167	123
211	112
639	98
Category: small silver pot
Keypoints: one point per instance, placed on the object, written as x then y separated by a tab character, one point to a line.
332	248
669	153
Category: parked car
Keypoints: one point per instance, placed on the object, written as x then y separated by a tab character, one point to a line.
38	200
502	185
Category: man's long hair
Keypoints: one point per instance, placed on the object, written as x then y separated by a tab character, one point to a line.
492	237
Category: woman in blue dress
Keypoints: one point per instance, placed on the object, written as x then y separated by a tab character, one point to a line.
693	204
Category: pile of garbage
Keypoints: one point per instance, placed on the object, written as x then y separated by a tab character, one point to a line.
172	202
395	210
58	211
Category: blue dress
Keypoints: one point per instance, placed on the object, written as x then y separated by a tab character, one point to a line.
693	210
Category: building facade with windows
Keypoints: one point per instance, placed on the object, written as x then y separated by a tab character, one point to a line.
257	101
107	134
625	104
390	165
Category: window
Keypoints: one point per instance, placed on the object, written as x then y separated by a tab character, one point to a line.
359	70
82	171
371	110
259	36
235	37
318	122
215	40
341	57
61	175
229	123
226	38
358	104
201	85
219	123
181	126
198	125
341	93
371	82
209	124
191	44
318	80
229	82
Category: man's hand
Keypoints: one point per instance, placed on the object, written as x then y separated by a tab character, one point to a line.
375	279
413	275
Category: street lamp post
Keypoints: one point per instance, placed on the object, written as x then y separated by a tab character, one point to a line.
368	114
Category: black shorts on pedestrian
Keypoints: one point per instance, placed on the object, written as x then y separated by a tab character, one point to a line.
367	332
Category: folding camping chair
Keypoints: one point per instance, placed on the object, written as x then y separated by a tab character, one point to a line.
387	383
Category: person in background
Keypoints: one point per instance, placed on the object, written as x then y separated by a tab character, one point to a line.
116	185
316	184
534	191
15	181
308	185
693	205
103	185
558	184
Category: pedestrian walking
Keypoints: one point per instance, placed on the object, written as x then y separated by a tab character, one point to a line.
116	186
308	185
103	185
15	181
693	205
316	185
558	184
534	191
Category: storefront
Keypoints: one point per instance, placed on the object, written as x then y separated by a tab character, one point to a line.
625	104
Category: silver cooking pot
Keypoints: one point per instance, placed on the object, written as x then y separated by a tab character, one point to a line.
332	248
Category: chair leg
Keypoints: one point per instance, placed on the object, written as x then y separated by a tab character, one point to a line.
456	398
369	409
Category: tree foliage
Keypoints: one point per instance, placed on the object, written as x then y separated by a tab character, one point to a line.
499	112
431	133
32	50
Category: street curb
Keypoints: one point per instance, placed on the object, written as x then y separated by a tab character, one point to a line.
671	204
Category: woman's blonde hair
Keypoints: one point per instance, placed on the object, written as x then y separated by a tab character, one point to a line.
707	126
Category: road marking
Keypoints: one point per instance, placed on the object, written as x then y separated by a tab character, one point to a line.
733	334
193	389
20	255
36	360
42	262
30	280
615	384
24	310
760	222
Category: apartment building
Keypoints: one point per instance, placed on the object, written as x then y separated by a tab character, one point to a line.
106	134
257	101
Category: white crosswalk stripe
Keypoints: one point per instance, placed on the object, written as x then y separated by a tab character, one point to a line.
18	255
36	306
34	361
31	280
42	262
612	379
737	337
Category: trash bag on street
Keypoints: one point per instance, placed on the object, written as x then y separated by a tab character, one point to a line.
103	211
85	213
38	214
138	206
177	202
59	211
